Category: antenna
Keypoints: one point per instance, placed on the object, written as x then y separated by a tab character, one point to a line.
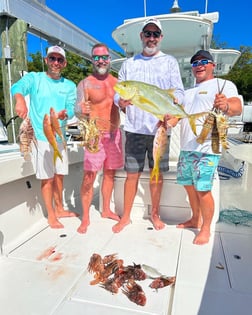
206	5
144	8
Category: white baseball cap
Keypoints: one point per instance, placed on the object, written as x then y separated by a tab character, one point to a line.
153	21
56	50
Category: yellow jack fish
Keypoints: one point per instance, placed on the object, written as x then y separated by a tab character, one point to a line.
50	136
154	100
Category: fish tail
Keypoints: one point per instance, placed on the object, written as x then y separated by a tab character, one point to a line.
56	155
192	120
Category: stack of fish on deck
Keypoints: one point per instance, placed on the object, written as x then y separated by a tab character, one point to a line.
111	274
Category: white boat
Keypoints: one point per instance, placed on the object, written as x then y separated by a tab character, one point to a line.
44	271
184	34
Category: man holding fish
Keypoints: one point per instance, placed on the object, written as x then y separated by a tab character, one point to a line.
154	67
95	101
198	160
52	100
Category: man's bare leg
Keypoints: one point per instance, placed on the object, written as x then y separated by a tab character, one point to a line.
60	212
156	190
107	188
207	209
196	220
47	194
130	190
87	191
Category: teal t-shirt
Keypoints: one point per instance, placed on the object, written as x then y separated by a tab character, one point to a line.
45	93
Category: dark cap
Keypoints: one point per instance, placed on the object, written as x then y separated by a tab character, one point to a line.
202	53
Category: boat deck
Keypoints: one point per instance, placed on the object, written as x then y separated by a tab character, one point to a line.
47	273
44	271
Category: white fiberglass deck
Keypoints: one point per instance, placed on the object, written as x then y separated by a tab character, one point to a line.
47	274
43	271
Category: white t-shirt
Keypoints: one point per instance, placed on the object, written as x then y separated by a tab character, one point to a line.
201	99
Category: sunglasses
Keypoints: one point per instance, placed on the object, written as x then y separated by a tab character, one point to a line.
155	34
53	59
103	57
202	62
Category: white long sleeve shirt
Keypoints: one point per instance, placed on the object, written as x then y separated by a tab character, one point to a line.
161	70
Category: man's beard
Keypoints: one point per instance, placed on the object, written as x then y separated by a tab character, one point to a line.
151	50
102	70
55	73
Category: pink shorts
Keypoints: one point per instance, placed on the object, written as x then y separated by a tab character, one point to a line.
109	156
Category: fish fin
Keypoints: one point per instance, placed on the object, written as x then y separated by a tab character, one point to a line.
55	155
181	106
170	92
192	120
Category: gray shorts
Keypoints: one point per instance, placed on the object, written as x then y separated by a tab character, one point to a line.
136	148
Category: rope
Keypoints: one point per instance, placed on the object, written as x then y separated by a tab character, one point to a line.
236	216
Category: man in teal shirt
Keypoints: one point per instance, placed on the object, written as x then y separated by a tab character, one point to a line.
48	89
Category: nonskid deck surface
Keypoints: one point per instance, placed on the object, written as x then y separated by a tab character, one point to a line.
48	274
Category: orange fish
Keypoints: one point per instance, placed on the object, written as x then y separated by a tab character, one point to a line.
159	146
50	135
56	125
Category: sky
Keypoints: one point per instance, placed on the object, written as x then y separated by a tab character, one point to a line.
101	17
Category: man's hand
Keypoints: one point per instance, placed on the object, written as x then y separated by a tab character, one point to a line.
221	103
21	108
62	115
170	121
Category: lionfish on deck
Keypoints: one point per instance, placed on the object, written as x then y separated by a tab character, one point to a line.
112	275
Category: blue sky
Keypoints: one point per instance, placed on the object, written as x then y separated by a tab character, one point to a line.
100	17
